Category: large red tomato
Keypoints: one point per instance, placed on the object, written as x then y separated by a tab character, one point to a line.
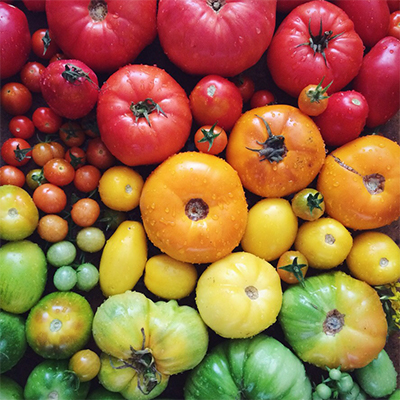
316	40
104	34
222	37
143	115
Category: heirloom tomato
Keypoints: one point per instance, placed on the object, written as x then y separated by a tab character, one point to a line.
155	340
105	35
86	364
200	214
360	182
59	325
334	321
143	115
276	150
249	285
315	40
188	34
255	368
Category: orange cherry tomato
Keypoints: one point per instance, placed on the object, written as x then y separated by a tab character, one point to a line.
292	267
85	212
211	139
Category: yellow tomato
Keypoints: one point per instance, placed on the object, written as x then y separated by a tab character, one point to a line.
123	258
374	258
325	242
169	278
239	295
271	228
86	364
120	188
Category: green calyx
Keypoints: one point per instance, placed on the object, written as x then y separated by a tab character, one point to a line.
314	201
73	74
295	269
209	135
318	93
143	109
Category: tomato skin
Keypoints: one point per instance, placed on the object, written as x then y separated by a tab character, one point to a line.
86	364
46	120
294	260
15	40
22	127
10	175
132	139
16	152
394	24
16	98
98	155
58	171
72	134
30	75
343	55
262	98
87	178
378	81
355	204
85	212
43	44
50	198
211	139
125	37
306	313
246	86
189	38
52	228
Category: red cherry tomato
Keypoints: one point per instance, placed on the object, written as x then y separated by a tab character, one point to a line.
262	98
16	152
43	44
50	198
59	171
211	139
30	75
10	175
16	98
21	126
46	120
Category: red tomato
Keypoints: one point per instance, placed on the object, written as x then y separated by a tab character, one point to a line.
394	5
143	115
16	152
21	126
97	154
10	175
285	6
262	98
211	139
50	198
46	120
245	85
394	24
59	171
216	99
30	75
15	40
41	153
43	44
70	88
87	178
189	36
35	5
299	54
122	30
378	81
72	134
16	98
76	156
344	119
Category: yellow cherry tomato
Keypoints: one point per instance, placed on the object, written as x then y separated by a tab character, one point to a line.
86	364
169	278
120	188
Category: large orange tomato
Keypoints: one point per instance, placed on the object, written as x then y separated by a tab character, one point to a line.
194	208
360	182
277	150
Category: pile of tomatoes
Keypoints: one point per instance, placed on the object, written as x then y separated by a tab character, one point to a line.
199	199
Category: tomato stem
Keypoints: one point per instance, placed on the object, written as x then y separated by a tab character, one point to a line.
314	201
145	108
295	269
46	41
21	154
318	93
209	136
72	74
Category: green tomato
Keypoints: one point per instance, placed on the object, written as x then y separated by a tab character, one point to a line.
352	394
335	374
345	383
90	239
87	276
395	395
9	389
65	278
101	393
324	391
61	253
254	368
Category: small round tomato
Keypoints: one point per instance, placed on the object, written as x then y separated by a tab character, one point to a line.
262	98
308	204
46	120
11	175
374	258
76	156
30	75
22	127
313	99
394	24
34	178
86	364
65	278
72	134
59	325
85	212
50	198
61	253
88	277
211	139
41	153
16	152
120	188
271	228
43	44
245	85
52	228
90	239
59	171
292	267
87	178
216	99
97	154
325	242
16	99
57	149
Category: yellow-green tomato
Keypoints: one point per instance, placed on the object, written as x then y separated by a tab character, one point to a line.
308	204
325	242
271	228
374	258
123	259
239	295
90	239
169	278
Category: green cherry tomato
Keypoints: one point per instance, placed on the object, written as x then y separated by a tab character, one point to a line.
65	278
90	239
345	383
61	253
88	276
335	374
308	204
323	391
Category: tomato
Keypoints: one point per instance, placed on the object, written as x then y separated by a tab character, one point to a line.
143	115
50	198
16	152
86	364
245	85
370	18
188	36
211	139
10	389
320	41
59	171
22	127
308	204
200	215
23	273
129	327
262	98
169	278
10	175
365	175
16	98
247	284
89	124
70	88
87	178
52	228
258	367
61	253
85	212
271	228
65	278
87	277
76	156
215	99
374	258
30	75
43	44
34	178
19	215
378	80
57	149
394	24
35	5
59	325
313	100
42	153
90	239
98	155
46	120
115	42
344	118
276	150
292	267
334	321
123	259
120	188
15	40
72	134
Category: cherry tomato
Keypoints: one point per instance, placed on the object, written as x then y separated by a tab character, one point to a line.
90	239
308	204
292	267
245	85
87	178
46	120
11	175
41	153
211	139
72	134
394	24
97	154
85	212
57	149
16	98
86	364
30	75
262	98
313	99
34	178
57	56
76	156
59	171
89	124
50	198
21	126
43	44
16	152
52	228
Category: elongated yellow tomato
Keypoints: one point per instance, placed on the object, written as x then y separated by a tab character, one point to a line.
239	295
123	259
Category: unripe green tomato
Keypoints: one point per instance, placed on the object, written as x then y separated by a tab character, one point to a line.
90	239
